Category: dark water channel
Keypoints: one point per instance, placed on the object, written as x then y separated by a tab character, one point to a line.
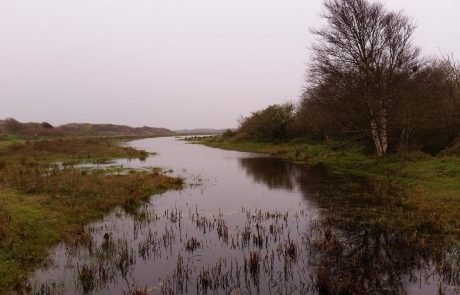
245	224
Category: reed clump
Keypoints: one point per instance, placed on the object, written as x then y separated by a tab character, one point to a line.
192	245
137	291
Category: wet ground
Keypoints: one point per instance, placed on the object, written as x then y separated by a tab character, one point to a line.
245	224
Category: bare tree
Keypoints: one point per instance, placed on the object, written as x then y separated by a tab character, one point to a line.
365	50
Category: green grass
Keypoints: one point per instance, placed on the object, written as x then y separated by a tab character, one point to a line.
424	187
7	140
69	151
41	206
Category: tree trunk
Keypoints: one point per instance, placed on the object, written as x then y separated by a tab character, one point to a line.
383	131
376	137
379	134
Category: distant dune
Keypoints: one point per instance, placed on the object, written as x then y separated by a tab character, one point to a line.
201	131
14	127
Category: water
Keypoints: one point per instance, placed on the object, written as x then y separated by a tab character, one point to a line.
245	224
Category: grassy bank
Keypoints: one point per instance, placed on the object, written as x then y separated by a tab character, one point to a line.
423	190
42	203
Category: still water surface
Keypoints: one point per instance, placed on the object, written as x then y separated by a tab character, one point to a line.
245	224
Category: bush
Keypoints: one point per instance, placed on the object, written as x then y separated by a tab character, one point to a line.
228	133
270	124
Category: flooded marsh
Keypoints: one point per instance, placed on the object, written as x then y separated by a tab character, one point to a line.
245	224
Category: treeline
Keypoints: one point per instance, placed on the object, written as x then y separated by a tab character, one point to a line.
367	81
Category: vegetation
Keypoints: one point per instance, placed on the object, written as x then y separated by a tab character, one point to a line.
43	202
269	124
367	82
7	140
423	184
362	60
11	126
67	150
374	109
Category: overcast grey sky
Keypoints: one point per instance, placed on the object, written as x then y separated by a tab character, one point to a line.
170	63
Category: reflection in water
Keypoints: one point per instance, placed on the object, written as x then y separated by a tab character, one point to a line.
273	173
370	262
281	174
356	260
257	225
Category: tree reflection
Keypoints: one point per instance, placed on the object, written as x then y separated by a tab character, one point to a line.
274	173
371	261
352	254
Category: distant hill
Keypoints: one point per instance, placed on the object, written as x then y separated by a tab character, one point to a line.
86	129
201	131
12	126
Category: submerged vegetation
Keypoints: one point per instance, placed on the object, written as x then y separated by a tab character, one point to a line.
426	188
266	252
195	245
44	199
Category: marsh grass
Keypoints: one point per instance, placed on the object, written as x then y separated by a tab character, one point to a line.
42	203
72	150
423	190
7	140
319	259
359	235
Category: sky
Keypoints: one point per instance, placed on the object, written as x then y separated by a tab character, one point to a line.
170	63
